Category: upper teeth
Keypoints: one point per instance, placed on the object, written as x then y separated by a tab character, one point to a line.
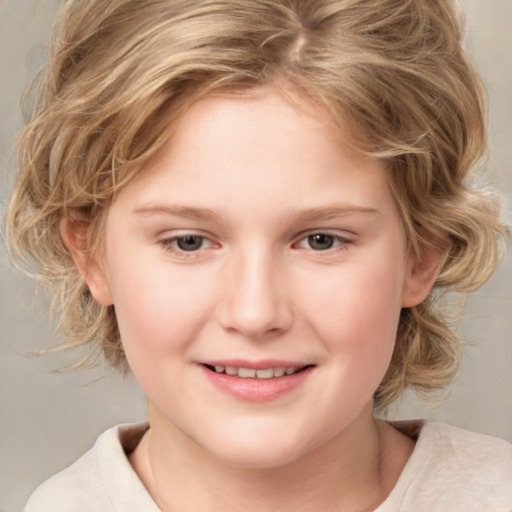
268	373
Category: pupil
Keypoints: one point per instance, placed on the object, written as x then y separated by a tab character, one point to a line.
189	242
320	242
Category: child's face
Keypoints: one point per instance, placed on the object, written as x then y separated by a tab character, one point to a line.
255	240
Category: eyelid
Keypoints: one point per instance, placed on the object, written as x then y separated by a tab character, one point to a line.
175	238
168	242
342	239
168	239
172	234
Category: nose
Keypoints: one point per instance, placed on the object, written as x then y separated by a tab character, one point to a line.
255	302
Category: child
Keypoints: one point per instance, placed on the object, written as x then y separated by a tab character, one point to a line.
256	205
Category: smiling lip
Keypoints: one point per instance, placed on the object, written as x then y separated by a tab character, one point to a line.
252	381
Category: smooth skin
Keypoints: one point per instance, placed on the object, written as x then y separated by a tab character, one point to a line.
256	234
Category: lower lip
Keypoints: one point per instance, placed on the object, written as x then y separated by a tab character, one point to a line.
254	389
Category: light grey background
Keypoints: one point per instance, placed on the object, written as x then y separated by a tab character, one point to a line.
48	419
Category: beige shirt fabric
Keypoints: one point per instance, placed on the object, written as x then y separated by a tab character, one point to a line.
450	470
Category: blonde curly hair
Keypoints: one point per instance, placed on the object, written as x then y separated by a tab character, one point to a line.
121	72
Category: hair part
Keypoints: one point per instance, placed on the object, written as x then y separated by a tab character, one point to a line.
121	72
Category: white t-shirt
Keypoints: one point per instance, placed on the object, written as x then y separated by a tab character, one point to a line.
450	470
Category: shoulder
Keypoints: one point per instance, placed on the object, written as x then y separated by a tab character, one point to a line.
69	489
455	469
455	448
98	480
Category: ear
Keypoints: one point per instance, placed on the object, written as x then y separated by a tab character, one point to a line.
73	231
422	272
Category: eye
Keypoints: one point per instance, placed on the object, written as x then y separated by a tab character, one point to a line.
189	242
186	243
322	242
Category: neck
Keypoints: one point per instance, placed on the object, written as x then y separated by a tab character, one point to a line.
356	470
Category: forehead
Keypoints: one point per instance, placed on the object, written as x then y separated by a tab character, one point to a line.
267	121
258	155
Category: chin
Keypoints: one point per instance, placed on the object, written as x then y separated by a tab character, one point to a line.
256	458
257	450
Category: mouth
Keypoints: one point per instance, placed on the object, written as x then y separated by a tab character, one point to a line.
253	373
260	381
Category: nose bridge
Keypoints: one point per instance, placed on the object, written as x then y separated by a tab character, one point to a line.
255	301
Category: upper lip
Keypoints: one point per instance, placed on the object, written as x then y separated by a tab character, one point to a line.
256	365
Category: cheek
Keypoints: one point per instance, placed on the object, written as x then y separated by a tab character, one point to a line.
158	310
357	315
358	328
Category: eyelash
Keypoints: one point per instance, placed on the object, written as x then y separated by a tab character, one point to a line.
171	244
337	243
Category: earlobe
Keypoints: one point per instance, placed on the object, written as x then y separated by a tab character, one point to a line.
73	231
422	273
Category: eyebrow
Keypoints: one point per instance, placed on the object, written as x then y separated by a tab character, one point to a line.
336	211
313	214
187	212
